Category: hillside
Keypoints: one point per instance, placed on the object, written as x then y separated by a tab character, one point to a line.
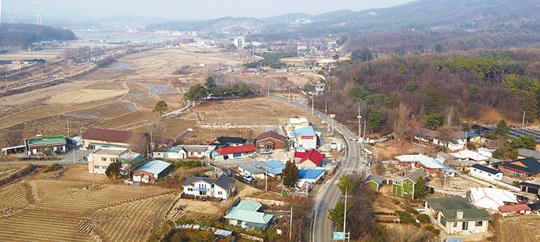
422	14
22	35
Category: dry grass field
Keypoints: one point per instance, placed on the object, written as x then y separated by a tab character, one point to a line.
522	228
60	210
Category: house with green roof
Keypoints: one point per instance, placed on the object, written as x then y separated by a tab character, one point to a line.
246	214
456	215
45	145
404	186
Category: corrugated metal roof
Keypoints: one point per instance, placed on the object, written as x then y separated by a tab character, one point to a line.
54	140
155	167
310	173
304	131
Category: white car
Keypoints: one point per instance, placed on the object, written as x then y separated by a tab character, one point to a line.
247	178
266	152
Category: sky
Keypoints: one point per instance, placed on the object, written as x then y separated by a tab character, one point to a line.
188	9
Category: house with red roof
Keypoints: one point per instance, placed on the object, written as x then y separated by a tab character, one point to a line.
309	159
232	152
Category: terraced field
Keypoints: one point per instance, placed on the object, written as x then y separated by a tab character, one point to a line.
50	210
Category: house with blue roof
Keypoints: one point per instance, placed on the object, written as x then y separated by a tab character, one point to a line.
431	165
309	177
246	214
152	171
305	137
274	167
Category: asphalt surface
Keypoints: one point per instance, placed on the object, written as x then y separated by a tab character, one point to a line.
329	195
74	156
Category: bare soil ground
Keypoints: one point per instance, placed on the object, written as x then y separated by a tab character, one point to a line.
522	228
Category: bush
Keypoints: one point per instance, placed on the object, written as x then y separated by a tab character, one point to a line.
430	227
54	167
405	217
424	218
437	231
413	211
516	183
416	224
188	163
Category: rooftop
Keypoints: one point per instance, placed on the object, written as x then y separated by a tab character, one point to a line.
486	169
54	140
310	173
236	149
514	208
313	156
450	205
374	178
155	167
111	152
271	134
528	165
304	131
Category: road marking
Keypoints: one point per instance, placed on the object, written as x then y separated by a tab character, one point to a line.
326	214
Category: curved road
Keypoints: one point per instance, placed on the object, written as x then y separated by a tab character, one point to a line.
329	195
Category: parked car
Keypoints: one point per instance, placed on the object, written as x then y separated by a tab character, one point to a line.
266	152
247	178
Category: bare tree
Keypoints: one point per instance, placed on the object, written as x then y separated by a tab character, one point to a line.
140	143
13	136
402	124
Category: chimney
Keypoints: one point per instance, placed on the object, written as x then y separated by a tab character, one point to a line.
459	214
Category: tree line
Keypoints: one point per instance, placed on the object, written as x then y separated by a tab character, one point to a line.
22	35
435	90
210	90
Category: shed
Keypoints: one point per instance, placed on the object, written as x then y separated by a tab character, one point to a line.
152	171
374	182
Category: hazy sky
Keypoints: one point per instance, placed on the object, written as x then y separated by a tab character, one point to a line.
190	9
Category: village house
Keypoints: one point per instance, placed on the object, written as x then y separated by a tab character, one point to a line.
491	198
224	141
311	159
455	141
271	141
522	168
100	159
152	171
295	123
514	209
95	138
223	187
469	155
246	214
530	188
486	173
305	138
232	152
405	186
374	182
46	145
259	169
455	215
524	153
431	165
309	177
183	152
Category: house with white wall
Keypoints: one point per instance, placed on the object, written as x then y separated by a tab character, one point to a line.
222	187
486	173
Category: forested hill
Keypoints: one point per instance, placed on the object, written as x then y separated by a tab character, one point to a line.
26	34
434	90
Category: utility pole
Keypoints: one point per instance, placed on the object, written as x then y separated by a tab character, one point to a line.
290	225
289	97
523	120
67	122
365	123
359	121
326	107
266	179
312	105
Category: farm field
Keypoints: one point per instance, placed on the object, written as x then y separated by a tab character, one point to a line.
58	210
522	228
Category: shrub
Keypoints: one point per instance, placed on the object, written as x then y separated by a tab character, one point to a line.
430	227
405	217
424	218
54	167
516	183
416	224
437	231
413	211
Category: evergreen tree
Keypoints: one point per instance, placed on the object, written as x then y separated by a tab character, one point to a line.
161	107
420	189
114	170
336	214
346	183
290	174
502	128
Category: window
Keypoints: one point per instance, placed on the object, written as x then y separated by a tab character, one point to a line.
518	174
103	158
112	159
220	193
474	169
489	174
104	167
443	221
190	189
478	223
96	167
455	224
261	144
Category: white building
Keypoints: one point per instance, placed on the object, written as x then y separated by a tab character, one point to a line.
486	173
222	187
491	198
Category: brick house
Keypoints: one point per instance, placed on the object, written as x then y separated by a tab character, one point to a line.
270	141
522	168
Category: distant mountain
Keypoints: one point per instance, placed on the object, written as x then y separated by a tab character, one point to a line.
422	14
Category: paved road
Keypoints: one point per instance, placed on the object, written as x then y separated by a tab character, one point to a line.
329	195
